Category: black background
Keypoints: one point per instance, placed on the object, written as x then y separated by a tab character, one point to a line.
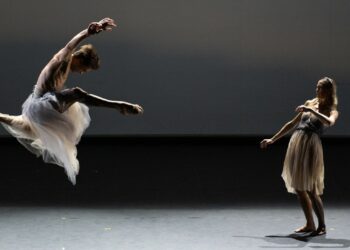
166	171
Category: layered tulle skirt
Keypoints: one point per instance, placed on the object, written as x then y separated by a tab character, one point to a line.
54	135
303	168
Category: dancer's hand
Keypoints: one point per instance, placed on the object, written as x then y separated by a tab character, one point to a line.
130	109
264	143
303	108
105	24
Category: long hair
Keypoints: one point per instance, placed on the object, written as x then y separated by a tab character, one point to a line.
330	88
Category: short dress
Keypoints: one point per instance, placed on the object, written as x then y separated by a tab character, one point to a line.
303	168
55	134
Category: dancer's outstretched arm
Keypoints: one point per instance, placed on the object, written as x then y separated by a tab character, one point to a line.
283	131
68	97
53	68
93	28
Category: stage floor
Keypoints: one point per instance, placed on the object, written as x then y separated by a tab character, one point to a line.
165	228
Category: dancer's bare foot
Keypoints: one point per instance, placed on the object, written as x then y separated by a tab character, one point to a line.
130	109
305	229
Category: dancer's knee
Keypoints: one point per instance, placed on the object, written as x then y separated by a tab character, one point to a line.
312	194
68	97
17	123
300	192
5	118
79	92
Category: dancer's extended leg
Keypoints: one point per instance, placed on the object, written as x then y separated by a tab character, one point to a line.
17	123
70	96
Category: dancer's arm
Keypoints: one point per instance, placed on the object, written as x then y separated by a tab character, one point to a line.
283	131
93	28
328	120
63	56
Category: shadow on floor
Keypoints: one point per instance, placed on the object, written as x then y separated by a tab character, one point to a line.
300	241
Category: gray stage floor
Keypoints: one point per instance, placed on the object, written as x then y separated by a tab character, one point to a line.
165	228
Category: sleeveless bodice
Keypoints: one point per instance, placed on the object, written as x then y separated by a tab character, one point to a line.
310	123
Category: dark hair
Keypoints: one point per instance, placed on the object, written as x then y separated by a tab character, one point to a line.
88	57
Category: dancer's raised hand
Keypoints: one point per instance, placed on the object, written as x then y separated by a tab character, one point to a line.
104	24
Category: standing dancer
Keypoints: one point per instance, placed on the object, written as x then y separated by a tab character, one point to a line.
53	117
303	170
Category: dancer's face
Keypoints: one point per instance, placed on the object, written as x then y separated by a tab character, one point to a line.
78	67
320	91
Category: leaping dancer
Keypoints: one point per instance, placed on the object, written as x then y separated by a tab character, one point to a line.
54	117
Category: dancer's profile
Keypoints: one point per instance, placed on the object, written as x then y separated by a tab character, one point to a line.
54	117
303	170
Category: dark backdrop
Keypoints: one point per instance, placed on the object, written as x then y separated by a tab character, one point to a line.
198	67
166	170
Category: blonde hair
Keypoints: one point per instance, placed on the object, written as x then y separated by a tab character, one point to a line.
87	55
330	87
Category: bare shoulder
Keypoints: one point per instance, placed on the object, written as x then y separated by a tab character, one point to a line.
334	112
62	55
54	73
310	102
59	58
